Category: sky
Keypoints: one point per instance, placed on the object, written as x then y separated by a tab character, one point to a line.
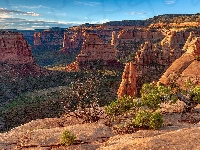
43	14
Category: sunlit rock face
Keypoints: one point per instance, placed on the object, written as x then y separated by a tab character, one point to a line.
128	84
95	48
14	49
149	55
72	40
187	66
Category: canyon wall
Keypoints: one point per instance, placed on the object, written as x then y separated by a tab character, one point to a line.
93	49
49	37
14	49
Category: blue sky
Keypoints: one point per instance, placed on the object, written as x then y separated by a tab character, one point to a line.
34	14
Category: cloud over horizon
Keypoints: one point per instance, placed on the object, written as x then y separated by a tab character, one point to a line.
4	11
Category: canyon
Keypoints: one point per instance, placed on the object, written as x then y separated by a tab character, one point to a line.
156	49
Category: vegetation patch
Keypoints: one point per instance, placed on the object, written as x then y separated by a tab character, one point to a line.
68	138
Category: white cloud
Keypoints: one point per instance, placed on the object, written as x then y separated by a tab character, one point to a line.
31	7
5	12
136	13
21	24
86	3
169	2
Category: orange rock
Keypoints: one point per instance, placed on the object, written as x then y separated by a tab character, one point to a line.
94	48
14	49
185	67
128	84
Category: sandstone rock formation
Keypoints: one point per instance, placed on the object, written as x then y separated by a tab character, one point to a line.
72	40
151	55
140	34
114	38
170	49
186	67
128	84
49	38
14	49
93	49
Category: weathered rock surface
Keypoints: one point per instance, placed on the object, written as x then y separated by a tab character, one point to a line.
46	134
14	49
187	66
179	139
41	134
93	49
128	84
49	38
72	40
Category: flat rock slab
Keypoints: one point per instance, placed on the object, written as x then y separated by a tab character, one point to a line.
87	133
183	139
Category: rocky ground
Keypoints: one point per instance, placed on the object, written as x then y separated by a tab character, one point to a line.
45	134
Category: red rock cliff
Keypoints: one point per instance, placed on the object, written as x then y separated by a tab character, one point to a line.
14	49
94	48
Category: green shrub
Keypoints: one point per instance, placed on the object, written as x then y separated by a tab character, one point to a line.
67	138
156	121
122	106
196	94
142	119
148	120
197	58
152	95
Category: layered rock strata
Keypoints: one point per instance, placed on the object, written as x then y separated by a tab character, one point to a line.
93	49
48	38
14	49
187	67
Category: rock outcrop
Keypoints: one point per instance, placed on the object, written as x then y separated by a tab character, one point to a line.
128	84
14	49
93	49
49	38
163	54
72	40
187	66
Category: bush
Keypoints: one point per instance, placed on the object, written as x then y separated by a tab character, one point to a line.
142	119
152	95
67	138
196	94
156	121
197	58
122	106
148	120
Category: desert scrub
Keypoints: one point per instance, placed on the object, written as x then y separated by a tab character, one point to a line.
147	119
68	138
122	106
195	93
152	96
